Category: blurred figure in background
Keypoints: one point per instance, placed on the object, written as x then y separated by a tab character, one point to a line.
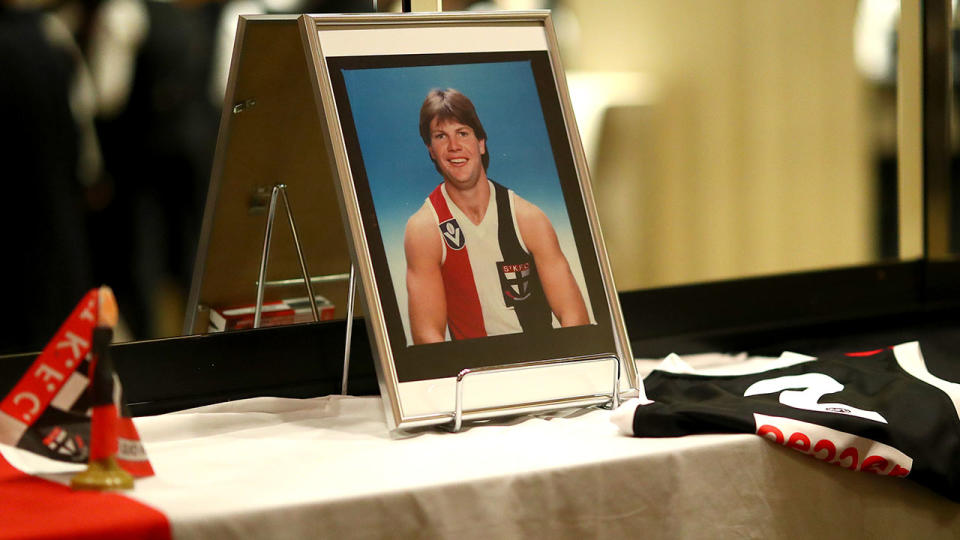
160	69
46	156
151	63
120	204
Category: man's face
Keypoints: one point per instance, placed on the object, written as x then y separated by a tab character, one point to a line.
457	152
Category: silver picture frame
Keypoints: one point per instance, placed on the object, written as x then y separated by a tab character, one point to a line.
370	75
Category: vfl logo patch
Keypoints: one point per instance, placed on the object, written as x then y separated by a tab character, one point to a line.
515	279
452	235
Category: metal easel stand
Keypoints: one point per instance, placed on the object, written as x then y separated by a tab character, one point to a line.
278	191
614	394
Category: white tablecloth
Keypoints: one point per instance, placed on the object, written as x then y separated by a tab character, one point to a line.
327	467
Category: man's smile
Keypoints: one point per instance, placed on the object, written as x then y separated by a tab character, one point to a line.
457	152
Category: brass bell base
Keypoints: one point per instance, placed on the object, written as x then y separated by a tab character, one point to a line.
102	473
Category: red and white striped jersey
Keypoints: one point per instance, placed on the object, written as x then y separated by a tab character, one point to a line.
489	277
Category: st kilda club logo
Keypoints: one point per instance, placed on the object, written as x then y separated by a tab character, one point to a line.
515	280
68	445
452	234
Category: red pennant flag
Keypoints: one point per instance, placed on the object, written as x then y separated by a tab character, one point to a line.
48	411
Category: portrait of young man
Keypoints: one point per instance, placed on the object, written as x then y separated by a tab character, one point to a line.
470	212
480	259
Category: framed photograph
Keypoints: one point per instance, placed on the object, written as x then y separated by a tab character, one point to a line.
469	209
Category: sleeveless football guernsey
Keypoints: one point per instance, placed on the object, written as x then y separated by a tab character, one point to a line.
880	412
489	277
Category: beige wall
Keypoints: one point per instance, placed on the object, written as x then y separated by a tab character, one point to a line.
754	156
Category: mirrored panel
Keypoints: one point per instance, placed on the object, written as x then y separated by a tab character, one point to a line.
725	139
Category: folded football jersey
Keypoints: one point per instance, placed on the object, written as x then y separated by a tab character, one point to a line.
879	412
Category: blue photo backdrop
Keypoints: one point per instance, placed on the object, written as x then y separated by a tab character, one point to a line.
385	103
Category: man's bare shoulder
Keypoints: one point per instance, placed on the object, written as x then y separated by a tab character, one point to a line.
421	240
530	218
421	222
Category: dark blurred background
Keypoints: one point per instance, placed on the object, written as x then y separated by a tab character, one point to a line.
111	111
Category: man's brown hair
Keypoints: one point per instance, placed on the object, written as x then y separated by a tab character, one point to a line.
450	104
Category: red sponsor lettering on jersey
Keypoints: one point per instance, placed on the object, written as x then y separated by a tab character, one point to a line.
826	450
